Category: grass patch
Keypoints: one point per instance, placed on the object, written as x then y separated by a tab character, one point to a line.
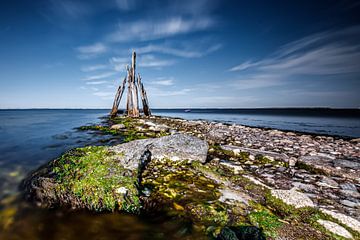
267	221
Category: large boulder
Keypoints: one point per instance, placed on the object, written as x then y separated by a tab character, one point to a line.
174	147
107	178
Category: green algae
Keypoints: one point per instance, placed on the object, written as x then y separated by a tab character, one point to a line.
91	175
196	196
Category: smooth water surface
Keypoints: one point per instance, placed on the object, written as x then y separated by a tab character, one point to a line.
30	138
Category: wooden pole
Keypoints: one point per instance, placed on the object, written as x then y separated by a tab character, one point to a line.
117	99
129	104
135	100
144	100
134	87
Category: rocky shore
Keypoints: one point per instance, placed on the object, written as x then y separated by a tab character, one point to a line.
228	181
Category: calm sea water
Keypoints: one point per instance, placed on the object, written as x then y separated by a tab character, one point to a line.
30	138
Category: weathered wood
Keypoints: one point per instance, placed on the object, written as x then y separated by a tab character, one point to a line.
129	105
147	111
135	110
134	87
118	97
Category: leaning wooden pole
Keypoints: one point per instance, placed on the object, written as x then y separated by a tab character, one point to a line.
118	97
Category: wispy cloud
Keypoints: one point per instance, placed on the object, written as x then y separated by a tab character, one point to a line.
119	63
328	53
185	53
149	29
163	82
96	82
93	68
150	61
319	54
154	91
104	94
99	76
91	51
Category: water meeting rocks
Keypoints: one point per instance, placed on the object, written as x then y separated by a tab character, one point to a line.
107	178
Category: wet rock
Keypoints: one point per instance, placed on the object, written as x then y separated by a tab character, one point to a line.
106	178
335	228
346	220
84	178
241	233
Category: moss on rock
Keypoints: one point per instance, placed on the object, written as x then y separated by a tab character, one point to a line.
90	178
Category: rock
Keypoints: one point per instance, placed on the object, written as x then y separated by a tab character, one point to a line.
241	233
234	167
335	228
331	167
348	186
292	162
84	178
106	178
346	220
293	198
268	154
174	147
355	140
117	126
349	203
179	147
305	187
327	182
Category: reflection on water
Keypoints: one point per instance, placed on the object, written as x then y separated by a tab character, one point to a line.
32	223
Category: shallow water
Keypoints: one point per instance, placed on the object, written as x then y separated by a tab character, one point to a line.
30	138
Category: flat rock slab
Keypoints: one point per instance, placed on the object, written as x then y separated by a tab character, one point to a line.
349	169
174	147
346	220
335	228
254	152
293	198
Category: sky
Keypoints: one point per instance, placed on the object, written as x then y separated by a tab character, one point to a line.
191	53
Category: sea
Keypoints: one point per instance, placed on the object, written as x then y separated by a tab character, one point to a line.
32	137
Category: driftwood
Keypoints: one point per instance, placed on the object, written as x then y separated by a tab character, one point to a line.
134	86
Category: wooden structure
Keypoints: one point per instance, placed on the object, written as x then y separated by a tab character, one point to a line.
134	85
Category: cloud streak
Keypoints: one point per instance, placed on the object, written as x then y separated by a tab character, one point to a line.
322	54
145	30
185	53
99	76
91	51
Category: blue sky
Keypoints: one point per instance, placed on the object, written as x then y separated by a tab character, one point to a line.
191	53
